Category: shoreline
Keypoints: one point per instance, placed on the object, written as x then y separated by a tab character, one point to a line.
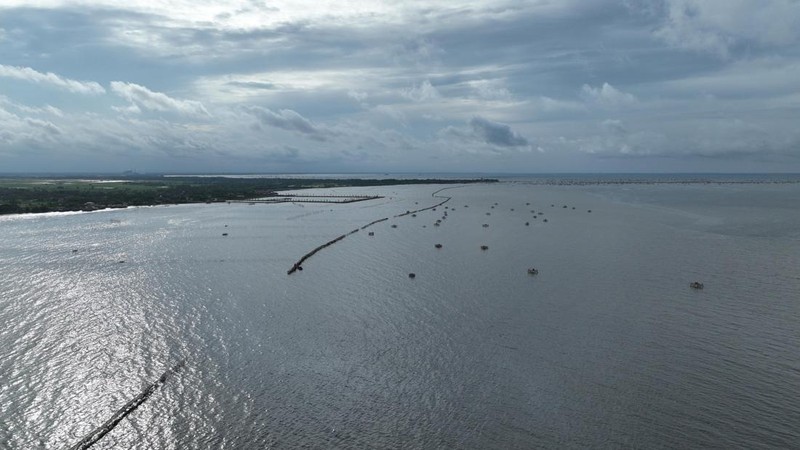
67	195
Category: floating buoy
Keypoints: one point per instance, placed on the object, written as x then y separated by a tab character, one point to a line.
299	267
527	224
545	220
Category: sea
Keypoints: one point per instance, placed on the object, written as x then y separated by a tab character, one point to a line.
607	346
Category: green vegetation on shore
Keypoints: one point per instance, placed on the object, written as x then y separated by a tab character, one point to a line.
37	195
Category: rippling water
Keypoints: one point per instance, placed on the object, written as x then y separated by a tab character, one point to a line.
606	347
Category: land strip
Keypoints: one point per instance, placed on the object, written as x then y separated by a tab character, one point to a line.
87	193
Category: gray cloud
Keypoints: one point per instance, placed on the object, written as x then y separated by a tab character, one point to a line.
486	132
290	120
723	26
405	85
495	133
253	84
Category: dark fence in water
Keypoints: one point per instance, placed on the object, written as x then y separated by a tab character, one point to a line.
299	264
98	433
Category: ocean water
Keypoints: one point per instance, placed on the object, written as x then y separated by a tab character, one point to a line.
606	347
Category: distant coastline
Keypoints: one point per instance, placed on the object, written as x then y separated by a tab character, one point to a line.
45	193
32	194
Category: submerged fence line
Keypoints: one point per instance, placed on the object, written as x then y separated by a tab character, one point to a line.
299	264
98	433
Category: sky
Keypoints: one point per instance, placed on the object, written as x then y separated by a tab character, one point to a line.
537	86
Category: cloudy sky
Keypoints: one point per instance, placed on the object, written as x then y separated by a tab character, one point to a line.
360	86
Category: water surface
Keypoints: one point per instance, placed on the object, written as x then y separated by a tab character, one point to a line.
606	347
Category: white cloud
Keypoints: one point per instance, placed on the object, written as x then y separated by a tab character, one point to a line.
44	110
49	78
142	97
357	96
44	125
494	89
422	93
607	96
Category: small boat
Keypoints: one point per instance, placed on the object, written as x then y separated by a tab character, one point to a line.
696	285
486	225
545	220
436	224
412	275
371	233
527	224
438	245
394	226
224	234
484	247
533	271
